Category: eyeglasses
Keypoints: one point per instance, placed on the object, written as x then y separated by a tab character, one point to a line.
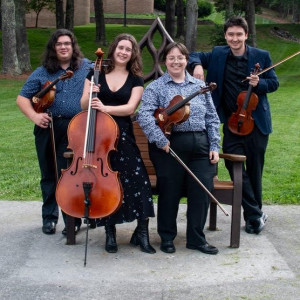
174	58
65	44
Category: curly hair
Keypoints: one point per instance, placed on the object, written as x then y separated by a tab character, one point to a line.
50	61
135	63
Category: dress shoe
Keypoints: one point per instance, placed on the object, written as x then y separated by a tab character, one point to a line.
206	248
259	224
167	247
92	223
49	228
77	228
249	227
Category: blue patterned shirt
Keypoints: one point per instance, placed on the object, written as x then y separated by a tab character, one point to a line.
203	115
68	92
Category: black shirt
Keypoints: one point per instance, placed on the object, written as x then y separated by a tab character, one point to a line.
235	71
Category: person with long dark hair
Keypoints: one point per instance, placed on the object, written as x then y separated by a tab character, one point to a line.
118	94
62	54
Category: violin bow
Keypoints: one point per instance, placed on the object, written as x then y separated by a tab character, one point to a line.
199	182
273	66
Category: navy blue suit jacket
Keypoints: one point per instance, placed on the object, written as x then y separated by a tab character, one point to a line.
214	62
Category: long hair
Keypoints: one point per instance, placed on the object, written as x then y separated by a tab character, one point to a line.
135	63
50	61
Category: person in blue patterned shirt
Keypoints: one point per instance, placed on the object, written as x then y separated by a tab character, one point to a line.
195	141
62	53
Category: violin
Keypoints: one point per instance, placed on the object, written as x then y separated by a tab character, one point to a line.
44	99
178	110
89	188
241	122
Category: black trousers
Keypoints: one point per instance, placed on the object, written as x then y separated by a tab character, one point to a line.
254	146
46	163
173	182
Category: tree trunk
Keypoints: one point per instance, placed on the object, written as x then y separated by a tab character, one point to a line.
10	64
296	11
180	18
229	9
59	14
170	22
100	22
23	53
70	15
191	24
250	17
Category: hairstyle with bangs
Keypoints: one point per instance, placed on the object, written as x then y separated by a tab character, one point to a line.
181	47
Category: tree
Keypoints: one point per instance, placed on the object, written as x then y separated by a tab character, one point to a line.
180	18
37	6
59	8
191	24
250	17
15	48
23	53
70	15
100	23
170	22
10	64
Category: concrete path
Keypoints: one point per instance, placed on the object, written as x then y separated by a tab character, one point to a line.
36	266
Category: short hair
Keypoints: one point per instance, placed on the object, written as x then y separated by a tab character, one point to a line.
181	47
236	21
135	63
50	61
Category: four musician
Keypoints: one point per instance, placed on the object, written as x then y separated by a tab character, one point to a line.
118	94
228	66
195	141
62	53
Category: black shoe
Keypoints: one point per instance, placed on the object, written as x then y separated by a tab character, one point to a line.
77	228
92	223
49	228
111	243
259	224
140	237
206	248
167	247
249	227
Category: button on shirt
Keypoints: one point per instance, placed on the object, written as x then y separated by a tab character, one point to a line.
202	117
68	92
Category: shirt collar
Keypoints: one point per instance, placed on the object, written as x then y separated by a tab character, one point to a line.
188	78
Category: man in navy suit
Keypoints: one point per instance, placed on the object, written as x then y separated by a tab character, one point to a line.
228	66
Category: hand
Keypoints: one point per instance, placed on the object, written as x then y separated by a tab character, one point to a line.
198	72
97	104
166	147
253	80
42	120
213	157
96	88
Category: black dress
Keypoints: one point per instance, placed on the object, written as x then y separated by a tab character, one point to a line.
137	196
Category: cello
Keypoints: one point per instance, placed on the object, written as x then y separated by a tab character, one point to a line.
89	188
241	122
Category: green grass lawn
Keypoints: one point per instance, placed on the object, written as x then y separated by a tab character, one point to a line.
19	177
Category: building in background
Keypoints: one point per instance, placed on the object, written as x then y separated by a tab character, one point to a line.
83	10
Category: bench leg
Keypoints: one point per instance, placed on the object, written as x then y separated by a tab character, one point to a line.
70	226
235	223
213	216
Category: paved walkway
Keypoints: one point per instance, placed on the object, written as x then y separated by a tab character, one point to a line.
36	266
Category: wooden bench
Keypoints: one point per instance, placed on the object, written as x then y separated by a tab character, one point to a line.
226	192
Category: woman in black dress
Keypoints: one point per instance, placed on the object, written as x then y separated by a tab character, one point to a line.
119	92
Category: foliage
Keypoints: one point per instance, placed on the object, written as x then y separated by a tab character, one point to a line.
205	8
20	175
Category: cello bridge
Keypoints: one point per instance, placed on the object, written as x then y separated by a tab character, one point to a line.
89	166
